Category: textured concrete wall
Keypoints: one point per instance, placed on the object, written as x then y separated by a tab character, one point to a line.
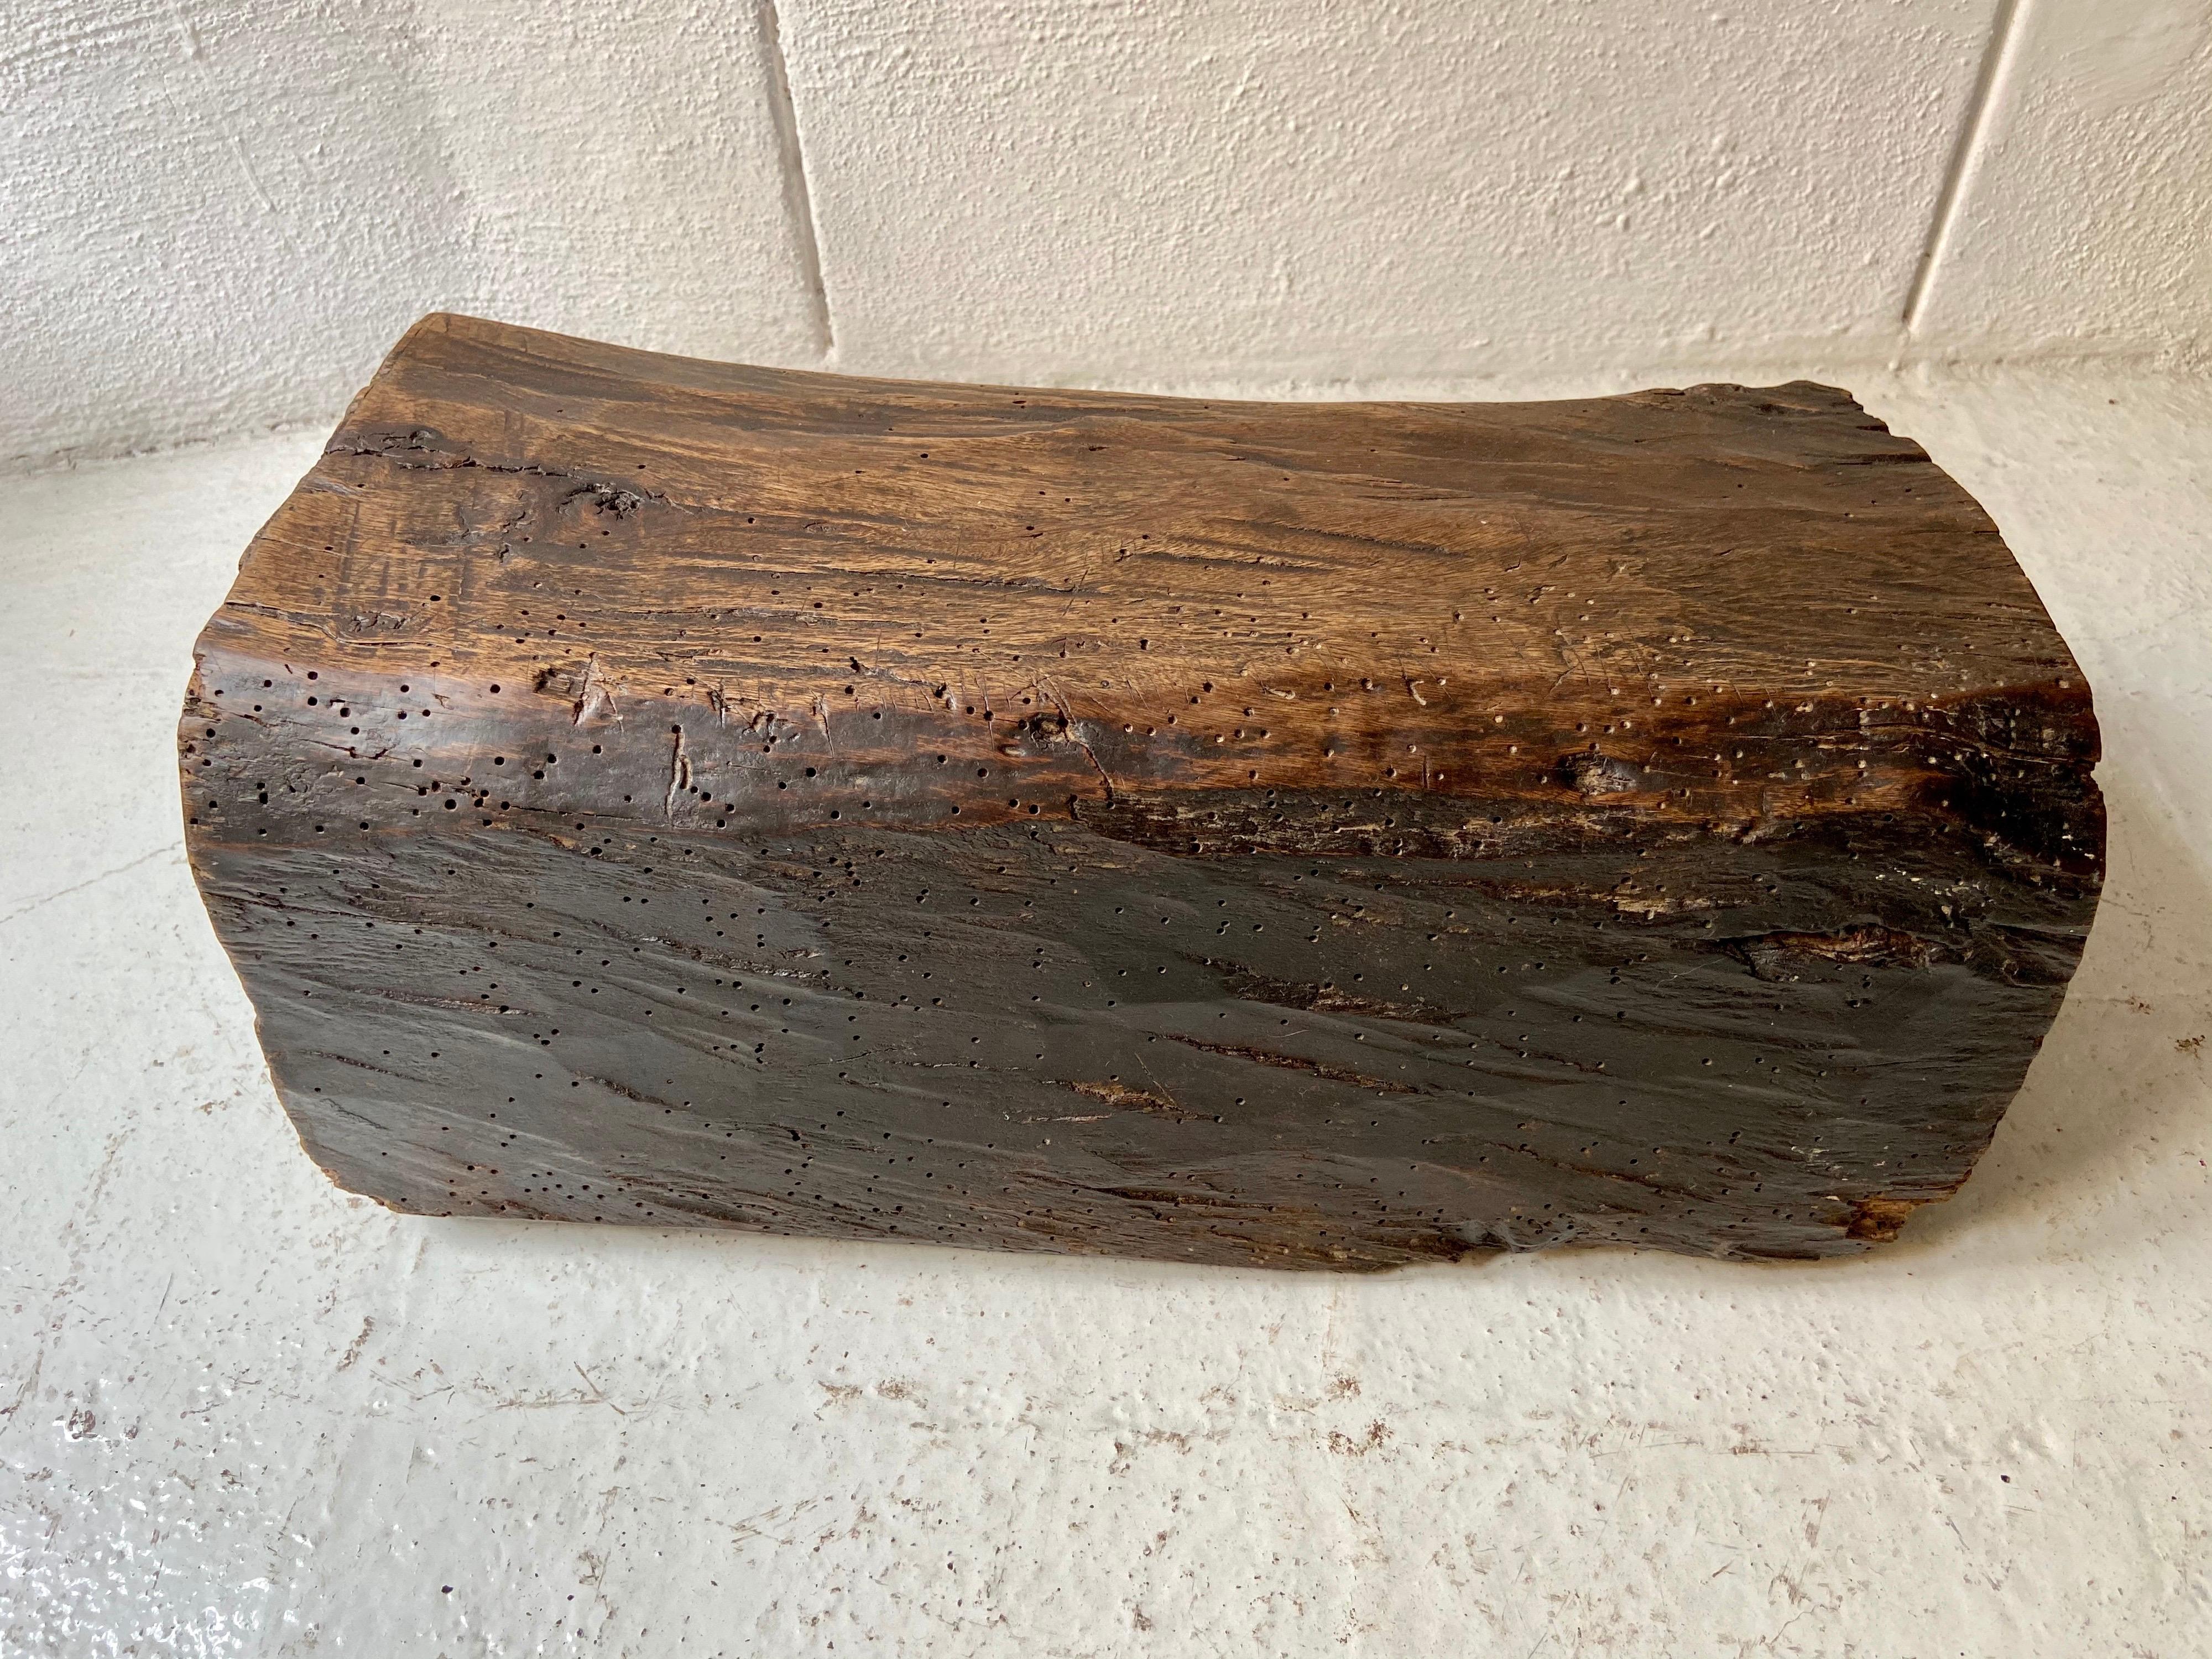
220	216
217	216
2083	216
1307	191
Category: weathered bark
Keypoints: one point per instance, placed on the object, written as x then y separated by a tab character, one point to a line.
635	789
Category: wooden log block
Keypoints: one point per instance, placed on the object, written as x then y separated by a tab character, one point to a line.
637	789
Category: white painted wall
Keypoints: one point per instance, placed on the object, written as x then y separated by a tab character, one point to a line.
216	216
1214	191
220	216
2084	215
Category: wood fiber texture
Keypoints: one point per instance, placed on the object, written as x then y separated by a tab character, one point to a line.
638	789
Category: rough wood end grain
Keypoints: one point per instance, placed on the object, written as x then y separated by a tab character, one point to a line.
637	789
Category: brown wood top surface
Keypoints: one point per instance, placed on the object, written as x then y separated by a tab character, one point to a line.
1720	604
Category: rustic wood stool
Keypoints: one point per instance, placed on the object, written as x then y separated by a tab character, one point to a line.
637	789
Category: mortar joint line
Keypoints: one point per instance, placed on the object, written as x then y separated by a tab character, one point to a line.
1965	150
798	183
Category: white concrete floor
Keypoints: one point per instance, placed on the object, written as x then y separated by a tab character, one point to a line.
245	1414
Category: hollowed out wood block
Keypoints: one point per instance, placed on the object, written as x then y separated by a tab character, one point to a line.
635	789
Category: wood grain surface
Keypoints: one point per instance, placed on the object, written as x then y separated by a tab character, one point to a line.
639	789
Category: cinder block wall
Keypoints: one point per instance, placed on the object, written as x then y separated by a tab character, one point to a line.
215	217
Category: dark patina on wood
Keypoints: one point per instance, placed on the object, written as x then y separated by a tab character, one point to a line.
637	789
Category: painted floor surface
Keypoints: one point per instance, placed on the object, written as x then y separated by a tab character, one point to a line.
241	1413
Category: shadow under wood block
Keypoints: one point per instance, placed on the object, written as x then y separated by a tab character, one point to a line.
637	789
